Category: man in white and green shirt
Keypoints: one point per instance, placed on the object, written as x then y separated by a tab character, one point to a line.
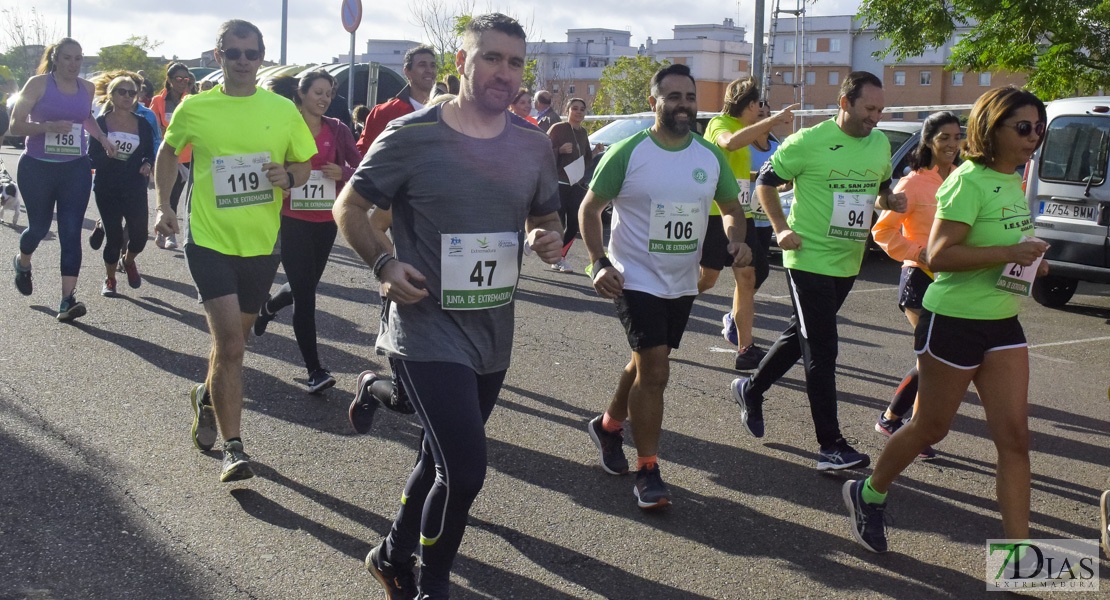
841	172
662	182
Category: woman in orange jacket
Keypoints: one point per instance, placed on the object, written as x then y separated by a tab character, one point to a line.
179	84
904	236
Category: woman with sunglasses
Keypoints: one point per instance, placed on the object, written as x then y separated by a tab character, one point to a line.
307	227
903	236
985	259
121	181
54	111
521	105
179	84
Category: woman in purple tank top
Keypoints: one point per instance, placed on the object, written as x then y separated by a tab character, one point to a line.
54	111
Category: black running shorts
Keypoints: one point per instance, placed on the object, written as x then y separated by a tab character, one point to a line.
217	275
651	321
962	343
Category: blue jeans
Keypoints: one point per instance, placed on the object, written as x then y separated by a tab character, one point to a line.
46	184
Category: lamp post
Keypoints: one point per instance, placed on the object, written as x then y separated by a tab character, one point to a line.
69	18
284	27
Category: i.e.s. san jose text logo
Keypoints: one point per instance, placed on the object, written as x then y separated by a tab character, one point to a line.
1042	565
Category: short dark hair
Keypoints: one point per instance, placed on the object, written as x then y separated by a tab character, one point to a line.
492	22
284	86
410	56
853	84
661	74
572	101
240	29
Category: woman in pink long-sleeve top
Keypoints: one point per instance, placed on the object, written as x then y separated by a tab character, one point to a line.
904	236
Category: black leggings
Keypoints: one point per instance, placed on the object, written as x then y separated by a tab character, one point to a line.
305	248
117	205
570	199
178	187
453	403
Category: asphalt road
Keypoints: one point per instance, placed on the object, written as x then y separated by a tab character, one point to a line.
102	494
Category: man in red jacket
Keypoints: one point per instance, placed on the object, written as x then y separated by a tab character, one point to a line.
420	70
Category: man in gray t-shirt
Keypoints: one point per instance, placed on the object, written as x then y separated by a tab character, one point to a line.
468	187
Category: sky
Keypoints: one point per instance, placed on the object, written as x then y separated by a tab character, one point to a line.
186	28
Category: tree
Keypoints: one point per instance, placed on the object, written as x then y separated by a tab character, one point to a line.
625	85
133	55
1063	45
25	37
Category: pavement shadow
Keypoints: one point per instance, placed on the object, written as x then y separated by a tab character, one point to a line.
262	508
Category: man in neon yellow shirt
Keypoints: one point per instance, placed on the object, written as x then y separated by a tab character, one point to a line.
248	145
841	172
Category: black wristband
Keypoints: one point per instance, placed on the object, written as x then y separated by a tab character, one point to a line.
602	263
290	179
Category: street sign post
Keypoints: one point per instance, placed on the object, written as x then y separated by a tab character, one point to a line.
351	15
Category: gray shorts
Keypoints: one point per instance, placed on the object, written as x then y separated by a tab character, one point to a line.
217	275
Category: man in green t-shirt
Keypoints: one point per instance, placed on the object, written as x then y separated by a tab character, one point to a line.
248	145
841	172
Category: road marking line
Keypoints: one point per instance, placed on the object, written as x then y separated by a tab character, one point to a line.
1098	339
719	349
1051	358
881	289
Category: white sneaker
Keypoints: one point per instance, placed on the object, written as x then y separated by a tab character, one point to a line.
562	266
171	242
159	240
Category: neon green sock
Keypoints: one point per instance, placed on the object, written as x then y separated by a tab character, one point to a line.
869	494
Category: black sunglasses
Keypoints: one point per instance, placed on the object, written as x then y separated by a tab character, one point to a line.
126	92
235	53
1024	128
762	104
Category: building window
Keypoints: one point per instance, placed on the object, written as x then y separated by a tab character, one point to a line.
922	115
554	64
897	116
958	78
742	66
677	60
555	88
788	77
926	78
834	78
581	62
788	45
807	107
899	78
811	44
571	89
985	79
822	44
591	89
832	106
834	45
811	77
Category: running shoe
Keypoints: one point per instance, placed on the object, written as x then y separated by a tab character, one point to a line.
263	319
562	266
749	359
319	380
171	242
204	418
866	520
237	465
159	240
22	277
751	409
109	289
610	446
651	493
70	309
927	454
96	238
1104	513
840	456
133	278
398	581
365	405
887	426
729	329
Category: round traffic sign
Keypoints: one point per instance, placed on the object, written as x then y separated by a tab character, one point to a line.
351	13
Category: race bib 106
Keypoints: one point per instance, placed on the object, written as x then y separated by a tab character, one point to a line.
675	227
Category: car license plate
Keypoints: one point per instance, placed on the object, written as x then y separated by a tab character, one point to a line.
1069	211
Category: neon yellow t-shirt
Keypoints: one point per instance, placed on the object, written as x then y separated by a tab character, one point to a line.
739	160
993	204
226	130
829	167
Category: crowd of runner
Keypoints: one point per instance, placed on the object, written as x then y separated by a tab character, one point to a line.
450	184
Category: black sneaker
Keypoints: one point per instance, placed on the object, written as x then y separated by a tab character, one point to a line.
865	520
365	405
651	493
96	238
398	581
263	320
751	410
204	418
610	446
237	465
927	454
840	456
749	359
887	426
70	309
22	278
319	380
397	399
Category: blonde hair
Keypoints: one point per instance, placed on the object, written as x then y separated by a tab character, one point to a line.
106	83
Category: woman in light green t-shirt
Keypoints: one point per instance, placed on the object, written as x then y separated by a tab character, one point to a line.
979	246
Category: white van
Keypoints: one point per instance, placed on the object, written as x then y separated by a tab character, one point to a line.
1069	197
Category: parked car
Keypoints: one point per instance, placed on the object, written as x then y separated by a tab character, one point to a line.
1069	199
